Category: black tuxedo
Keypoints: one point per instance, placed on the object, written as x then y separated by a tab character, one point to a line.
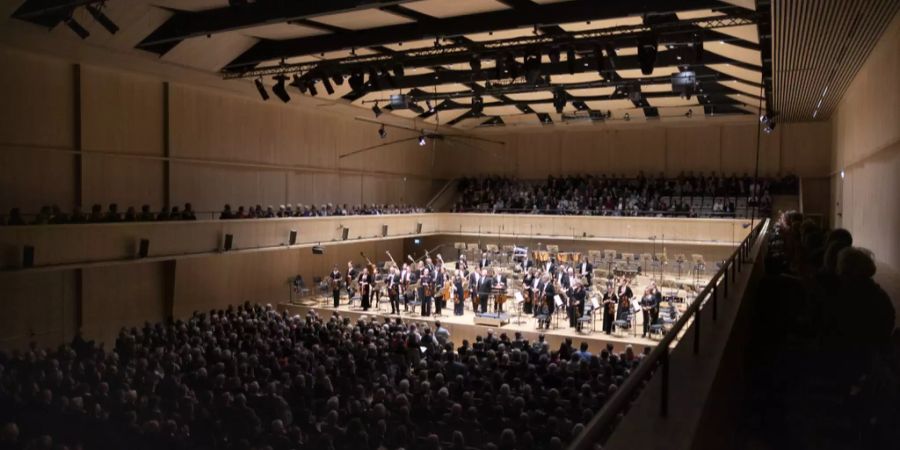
393	284
576	307
484	291
484	262
336	287
587	270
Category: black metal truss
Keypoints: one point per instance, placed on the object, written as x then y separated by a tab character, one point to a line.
187	24
521	16
460	50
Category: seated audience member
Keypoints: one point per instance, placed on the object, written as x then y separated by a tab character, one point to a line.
130	215
175	213
112	214
43	217
188	212
146	215
227	213
58	216
96	213
77	215
15	217
164	214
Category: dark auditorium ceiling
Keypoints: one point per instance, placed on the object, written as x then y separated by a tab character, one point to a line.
819	47
522	61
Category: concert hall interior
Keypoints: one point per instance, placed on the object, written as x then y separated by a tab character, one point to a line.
449	224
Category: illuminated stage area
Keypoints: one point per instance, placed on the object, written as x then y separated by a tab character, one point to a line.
464	327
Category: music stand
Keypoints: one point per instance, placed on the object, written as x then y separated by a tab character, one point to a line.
557	300
519	299
698	268
662	260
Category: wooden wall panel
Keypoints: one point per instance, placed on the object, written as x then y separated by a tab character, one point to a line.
33	177
38	100
121	296
693	149
128	182
739	149
208	188
38	307
121	112
866	140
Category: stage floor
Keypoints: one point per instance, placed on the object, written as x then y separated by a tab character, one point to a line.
464	327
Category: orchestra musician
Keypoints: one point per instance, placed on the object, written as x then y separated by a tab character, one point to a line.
576	303
499	281
405	280
650	307
547	305
351	275
527	282
586	270
366	281
429	264
426	284
462	266
440	278
485	284
457	294
484	262
609	308
393	287
474	281
335	282
623	298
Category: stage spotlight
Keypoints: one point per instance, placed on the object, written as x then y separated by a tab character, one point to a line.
634	93
376	110
261	88
103	19
475	63
647	54
328	87
770	127
373	77
382	133
627	117
532	68
311	85
428	106
763	119
398	71
279	90
356	80
689	113
477	105
570	60
422	139
77	28
337	79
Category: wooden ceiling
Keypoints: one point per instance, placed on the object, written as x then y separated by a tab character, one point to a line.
818	48
434	41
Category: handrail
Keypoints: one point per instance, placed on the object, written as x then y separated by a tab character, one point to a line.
602	425
441	192
602	212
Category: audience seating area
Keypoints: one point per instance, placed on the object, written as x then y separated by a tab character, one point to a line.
688	195
54	215
250	378
825	357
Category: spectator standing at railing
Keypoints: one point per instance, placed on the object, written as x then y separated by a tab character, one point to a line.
164	214
130	215
77	215
146	215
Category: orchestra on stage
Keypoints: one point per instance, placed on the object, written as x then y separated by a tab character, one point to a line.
542	285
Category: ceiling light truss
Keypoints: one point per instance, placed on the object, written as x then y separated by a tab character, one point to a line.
583	41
